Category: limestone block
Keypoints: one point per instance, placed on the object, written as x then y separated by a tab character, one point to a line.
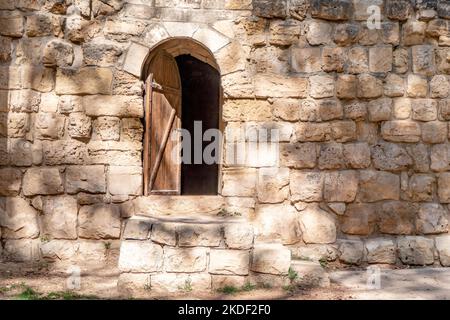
125	180
87	80
398	9
434	132
185	259
239	182
199	235
11	25
394	85
443	248
331	156
380	59
376	186
306	186
346	33
59	250
180	282
79	125
101	221
421	187
137	228
18	219
357	155
306	59
417	86
122	29
317	226
424	109
164	233
440	157
439	86
351	251
390	157
312	132
380	109
357	60
117	106
85	179
39	25
277	221
10	182
401	131
321	86
273	185
49	125
397	217
416	250
444	187
277	86
284	32
59	220
42	181
432	219
332	10
24	101
271	258
238	236
358	219
369	86
106	128
380	250
341	186
346	86
135	58
140	256
64	152
115	153
101	52
318	32
229	262
270	8
298	155
58	52
212	39
413	33
26	250
423	59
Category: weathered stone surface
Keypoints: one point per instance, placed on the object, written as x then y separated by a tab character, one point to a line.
434	132
380	59
64	152
58	52
11	25
351	251
417	86
49	126
106	128
397	217
432	219
140	256
401	131
318	32
10	182
238	236
332	9
239	182
270	8
398	9
341	186
390	157
394	85
317	226
280	87
357	155
444	187
298	155
39	25
87	80
270	224
423	59
26	250
380	250
273	185
321	86
346	86
18	219
185	260
119	106
85	179
115	153
380	109
306	186
358	219
130	284
24	101
421	187
59	220
439	86
270	258
369	86
180	282
443	248
416	250
247	110
122	29
101	52
424	109
306	59
191	235
79	125
137	228
346	34
42	181
284	32
164	233
230	262
59	250
100	221
331	156
376	186
125	180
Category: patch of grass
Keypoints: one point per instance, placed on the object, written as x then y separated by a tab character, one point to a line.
44	238
187	286
28	294
248	286
228	290
323	263
107	245
68	295
292	274
290	288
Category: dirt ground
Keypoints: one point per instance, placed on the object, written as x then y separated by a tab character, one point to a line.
37	282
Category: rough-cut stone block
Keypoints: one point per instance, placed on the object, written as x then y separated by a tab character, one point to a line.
130	284
106	128
398	9
273	185
229	262
59	250
306	186
380	250
87	80
140	256
271	258
42	181
434	132
357	155
397	217
347	33
185	260
439	86
310	274
358	219
239	182
401	131
49	126
443	249
85	179
270	224
432	219
277	86
284	32
416	250
423	59
380	109
180	282
394	85
444	187
346	86
321	86
270	8
238	236
125	180
115	153
64	152
332	9
312	132
191	235
341	186
351	251
380	59
101	221
424	109
135	58
317	225
59	220
318	32
331	156
390	157
10	181
137	228
58	52
79	125
11	25
357	60
25	250
369	86
376	186
18	219
164	233
24	101
306	60
421	187
298	155
440	157
417	86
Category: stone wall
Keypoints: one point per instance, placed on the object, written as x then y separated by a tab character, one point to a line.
362	171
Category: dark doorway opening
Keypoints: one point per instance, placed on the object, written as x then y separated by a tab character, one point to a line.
200	102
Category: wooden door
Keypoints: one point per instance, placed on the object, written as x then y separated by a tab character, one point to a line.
162	147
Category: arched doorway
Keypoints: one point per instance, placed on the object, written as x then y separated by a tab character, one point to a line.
182	102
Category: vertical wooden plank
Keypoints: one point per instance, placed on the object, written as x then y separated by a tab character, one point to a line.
147	114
